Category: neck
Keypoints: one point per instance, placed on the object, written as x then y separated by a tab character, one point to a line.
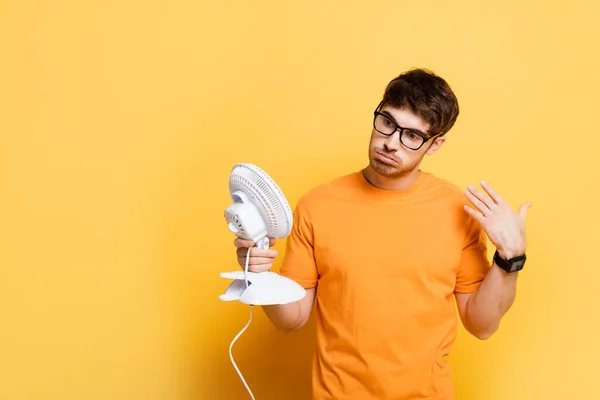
391	183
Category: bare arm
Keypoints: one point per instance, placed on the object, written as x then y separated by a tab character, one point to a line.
293	316
482	311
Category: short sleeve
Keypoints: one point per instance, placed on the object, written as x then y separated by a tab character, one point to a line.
474	264
299	262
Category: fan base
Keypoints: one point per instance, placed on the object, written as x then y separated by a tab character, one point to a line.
264	288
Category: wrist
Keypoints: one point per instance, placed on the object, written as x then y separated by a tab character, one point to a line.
508	254
510	261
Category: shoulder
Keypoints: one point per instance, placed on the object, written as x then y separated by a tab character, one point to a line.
447	197
453	200
332	190
444	189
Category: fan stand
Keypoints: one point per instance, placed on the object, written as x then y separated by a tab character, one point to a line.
263	288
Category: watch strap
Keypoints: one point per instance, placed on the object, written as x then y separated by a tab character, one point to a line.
513	265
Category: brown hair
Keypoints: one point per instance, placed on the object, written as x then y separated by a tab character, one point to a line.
425	94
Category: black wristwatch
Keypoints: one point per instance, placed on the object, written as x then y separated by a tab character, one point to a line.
512	265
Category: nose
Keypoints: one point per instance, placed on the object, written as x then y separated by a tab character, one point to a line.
392	142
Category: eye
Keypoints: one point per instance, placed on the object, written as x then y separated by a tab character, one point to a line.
412	135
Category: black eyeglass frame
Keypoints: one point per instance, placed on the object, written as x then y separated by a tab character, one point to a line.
401	129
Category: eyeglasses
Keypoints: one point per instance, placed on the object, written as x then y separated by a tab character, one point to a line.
410	138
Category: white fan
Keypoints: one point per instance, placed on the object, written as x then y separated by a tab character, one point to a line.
259	211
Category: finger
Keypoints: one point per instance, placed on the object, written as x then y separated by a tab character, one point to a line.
485	210
477	215
260	260
256	252
243	243
482	197
255	267
523	211
259	268
493	194
255	263
272	242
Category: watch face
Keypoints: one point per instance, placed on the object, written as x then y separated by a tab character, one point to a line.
517	266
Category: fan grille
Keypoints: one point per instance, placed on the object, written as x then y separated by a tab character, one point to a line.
266	195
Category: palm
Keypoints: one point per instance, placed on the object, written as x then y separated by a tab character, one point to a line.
505	228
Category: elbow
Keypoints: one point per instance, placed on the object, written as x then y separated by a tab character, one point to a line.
484	334
288	319
290	328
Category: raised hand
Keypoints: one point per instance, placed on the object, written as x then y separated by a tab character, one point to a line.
504	228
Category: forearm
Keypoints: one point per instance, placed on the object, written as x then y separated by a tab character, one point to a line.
482	311
490	302
285	317
292	316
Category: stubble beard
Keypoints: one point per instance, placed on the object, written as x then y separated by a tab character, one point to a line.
387	170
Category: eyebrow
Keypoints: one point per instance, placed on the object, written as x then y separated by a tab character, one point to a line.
387	114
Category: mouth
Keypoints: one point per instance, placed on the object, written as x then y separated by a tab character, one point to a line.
386	159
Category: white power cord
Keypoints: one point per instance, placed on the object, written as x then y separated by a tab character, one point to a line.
243	329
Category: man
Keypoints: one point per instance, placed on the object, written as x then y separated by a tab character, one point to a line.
389	251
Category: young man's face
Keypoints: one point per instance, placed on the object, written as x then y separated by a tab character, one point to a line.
387	155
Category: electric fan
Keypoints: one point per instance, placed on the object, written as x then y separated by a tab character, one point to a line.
259	211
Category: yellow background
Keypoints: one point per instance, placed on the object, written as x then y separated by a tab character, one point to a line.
120	122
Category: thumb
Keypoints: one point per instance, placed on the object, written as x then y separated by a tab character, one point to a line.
523	211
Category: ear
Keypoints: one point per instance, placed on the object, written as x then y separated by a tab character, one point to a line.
437	143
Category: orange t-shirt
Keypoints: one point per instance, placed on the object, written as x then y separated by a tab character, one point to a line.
386	265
